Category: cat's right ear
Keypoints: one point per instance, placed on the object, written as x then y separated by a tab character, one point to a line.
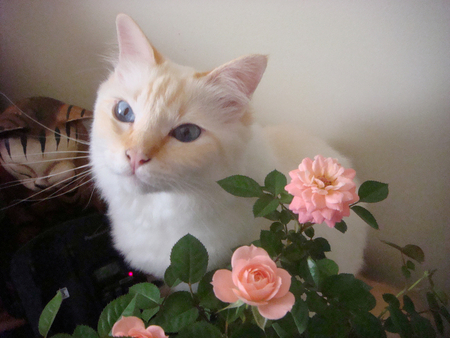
134	46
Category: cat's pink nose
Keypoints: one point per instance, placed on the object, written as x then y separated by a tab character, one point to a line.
136	158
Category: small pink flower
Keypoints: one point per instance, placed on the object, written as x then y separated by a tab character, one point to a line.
256	280
323	191
134	327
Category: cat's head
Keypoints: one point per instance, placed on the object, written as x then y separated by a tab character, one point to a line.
157	123
41	140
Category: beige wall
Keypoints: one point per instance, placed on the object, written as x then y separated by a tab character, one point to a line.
373	77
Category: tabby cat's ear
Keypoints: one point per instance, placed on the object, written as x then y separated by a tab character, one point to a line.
240	76
133	44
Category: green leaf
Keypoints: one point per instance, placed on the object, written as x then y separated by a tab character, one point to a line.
421	326
438	322
234	311
341	226
241	186
365	215
315	302
406	273
350	292
247	329
300	313
444	313
83	331
372	192
286	216
408	305
276	227
265	205
414	252
121	306
284	327
148	295
442	296
49	313
286	198
399	248
322	244
189	259
273	216
170	277
315	272
432	302
200	330
271	242
275	182
61	335
367	325
391	300
297	287
309	232
259	320
327	267
177	313
410	265
147	314
205	293
400	321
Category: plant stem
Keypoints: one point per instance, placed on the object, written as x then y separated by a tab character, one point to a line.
406	290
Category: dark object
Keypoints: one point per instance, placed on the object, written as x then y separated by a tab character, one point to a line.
78	258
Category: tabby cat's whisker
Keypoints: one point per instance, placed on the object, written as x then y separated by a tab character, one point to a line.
68	191
42	125
51	160
31	198
11	184
51	152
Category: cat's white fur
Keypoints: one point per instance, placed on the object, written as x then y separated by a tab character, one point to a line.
176	193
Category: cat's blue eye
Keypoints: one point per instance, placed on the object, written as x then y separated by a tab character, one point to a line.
186	132
123	112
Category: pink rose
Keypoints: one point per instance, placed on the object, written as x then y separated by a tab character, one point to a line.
134	327
323	191
256	280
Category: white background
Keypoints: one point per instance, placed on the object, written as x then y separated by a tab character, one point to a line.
372	77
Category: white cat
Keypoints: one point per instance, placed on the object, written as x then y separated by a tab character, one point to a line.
163	134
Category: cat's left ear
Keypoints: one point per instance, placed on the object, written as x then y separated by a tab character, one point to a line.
240	76
133	44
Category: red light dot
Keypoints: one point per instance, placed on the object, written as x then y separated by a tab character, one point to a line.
130	273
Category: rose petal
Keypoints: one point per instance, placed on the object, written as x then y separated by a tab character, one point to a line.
156	331
247	252
277	308
285	282
125	324
223	286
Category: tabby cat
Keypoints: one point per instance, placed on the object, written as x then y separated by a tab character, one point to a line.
163	134
44	161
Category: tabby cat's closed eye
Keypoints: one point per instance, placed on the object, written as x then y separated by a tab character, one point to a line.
123	112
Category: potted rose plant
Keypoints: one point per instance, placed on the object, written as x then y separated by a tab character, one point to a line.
282	285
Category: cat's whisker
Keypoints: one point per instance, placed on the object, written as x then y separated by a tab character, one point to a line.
42	125
30	198
91	196
11	184
56	195
51	160
51	152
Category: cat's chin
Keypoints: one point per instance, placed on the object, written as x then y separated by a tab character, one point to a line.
135	185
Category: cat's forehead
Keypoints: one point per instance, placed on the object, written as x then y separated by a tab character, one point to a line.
159	90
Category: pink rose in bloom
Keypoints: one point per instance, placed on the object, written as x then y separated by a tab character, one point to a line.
256	280
323	191
134	327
